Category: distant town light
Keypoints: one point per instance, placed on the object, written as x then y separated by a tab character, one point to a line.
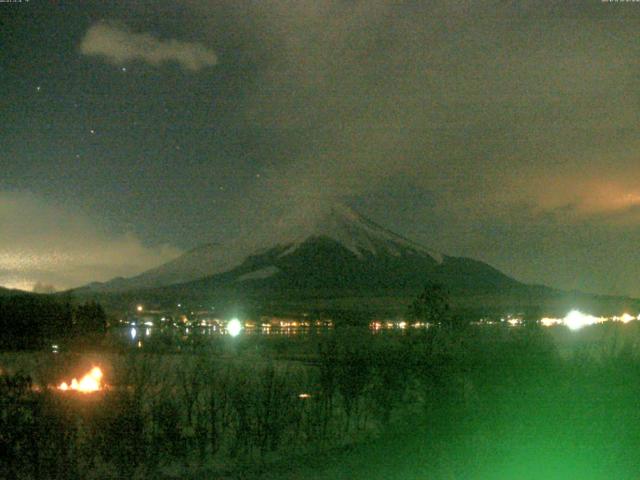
134	333
626	318
550	322
575	320
234	327
139	308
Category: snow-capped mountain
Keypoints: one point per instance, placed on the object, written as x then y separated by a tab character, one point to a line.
333	261
337	222
338	249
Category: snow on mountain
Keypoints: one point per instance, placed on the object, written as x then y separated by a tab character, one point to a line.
196	263
357	233
199	262
259	274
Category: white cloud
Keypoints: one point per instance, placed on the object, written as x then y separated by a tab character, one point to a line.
45	244
119	45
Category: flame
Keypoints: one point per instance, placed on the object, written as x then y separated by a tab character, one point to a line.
91	382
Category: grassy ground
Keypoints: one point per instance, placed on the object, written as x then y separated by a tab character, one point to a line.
489	403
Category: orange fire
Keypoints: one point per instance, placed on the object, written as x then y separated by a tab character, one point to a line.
91	382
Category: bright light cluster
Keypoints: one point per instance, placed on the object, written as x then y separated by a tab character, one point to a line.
550	322
575	320
234	327
626	318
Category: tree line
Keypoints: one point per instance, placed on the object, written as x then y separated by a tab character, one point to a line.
36	321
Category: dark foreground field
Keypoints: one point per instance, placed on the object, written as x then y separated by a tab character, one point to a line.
485	403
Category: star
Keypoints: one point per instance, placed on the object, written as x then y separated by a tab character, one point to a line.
38	88
124	69
93	132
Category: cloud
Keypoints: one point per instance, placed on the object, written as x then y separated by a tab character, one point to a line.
47	246
514	117
467	99
118	45
514	122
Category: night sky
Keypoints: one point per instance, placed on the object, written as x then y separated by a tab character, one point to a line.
504	131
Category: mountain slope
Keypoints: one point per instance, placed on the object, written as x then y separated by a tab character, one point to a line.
199	262
11	292
322	263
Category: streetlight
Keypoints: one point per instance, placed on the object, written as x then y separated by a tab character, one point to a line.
234	327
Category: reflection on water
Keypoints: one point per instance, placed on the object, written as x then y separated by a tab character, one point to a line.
134	333
177	330
139	334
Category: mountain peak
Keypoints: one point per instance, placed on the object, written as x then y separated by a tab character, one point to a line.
354	231
340	210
